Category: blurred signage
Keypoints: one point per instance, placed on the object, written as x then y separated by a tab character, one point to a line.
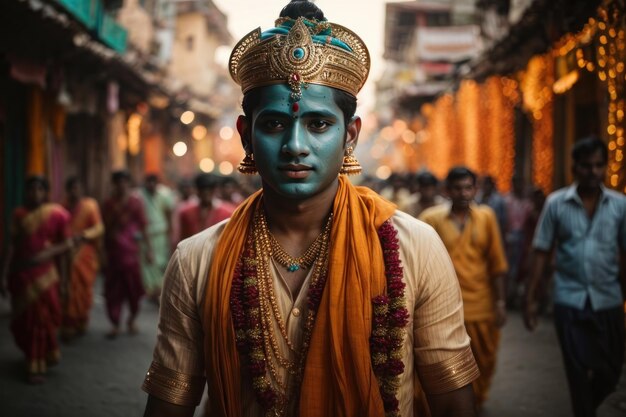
436	68
91	13
448	43
85	11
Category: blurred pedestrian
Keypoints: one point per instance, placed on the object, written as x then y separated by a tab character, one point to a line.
158	204
586	223
518	208
428	194
230	191
537	198
209	211
470	233
186	198
35	269
489	195
125	229
87	229
397	191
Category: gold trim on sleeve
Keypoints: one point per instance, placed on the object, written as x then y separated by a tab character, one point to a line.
451	374
172	386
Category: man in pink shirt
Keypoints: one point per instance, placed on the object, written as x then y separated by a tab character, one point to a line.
207	212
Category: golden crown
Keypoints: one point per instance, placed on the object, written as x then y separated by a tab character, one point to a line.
300	52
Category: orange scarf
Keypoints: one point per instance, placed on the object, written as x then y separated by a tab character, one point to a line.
338	376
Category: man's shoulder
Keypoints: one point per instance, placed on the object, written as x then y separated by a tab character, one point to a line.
616	195
200	243
484	211
436	212
188	210
558	195
56	210
225	207
412	231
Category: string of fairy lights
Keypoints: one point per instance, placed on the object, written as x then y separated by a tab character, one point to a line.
475	125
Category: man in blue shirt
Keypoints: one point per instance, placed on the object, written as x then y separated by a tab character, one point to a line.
587	224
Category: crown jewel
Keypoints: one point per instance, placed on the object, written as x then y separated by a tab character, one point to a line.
300	52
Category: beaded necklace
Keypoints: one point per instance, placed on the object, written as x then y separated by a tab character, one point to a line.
254	310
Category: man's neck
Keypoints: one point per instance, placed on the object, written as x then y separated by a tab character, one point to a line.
33	206
460	212
586	193
206	205
298	217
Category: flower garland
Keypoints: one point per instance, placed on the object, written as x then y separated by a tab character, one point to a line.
388	327
389	323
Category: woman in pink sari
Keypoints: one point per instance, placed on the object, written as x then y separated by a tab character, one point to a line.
40	235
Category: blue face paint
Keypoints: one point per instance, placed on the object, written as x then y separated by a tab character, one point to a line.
298	157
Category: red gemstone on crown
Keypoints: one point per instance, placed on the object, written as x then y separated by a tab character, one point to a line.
295	107
295	77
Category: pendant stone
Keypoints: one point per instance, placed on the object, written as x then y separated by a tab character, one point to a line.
293	267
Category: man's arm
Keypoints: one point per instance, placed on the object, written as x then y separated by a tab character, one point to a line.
4	273
539	263
159	408
457	403
499	291
622	272
498	269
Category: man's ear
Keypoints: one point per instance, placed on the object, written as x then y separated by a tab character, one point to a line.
243	127
352	132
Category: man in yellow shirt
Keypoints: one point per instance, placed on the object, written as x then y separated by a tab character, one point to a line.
471	235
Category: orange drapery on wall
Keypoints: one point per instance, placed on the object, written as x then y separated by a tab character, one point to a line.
36	145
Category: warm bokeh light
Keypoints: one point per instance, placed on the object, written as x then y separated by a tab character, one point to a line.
207	165
134	134
408	136
226	168
187	117
199	132
387	133
226	133
180	148
383	172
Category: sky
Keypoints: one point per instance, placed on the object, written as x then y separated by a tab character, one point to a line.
365	17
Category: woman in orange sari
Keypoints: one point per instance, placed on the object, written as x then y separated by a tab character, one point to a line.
40	235
86	226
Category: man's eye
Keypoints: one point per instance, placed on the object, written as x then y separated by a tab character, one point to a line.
273	124
319	124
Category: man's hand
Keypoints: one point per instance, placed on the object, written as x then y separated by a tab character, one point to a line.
149	256
530	315
3	287
500	313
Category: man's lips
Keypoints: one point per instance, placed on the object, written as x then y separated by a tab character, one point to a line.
296	171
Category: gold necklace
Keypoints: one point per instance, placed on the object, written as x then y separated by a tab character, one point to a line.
304	261
268	309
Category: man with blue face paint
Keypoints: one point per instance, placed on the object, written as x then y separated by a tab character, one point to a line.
316	298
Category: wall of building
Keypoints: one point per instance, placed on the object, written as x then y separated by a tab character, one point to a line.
138	22
193	53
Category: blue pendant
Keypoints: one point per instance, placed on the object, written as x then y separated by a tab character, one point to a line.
293	267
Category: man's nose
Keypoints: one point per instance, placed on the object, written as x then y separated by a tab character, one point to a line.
296	142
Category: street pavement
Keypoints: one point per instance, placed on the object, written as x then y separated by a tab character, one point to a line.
99	377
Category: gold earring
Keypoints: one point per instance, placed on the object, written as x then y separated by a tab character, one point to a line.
350	164
247	166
